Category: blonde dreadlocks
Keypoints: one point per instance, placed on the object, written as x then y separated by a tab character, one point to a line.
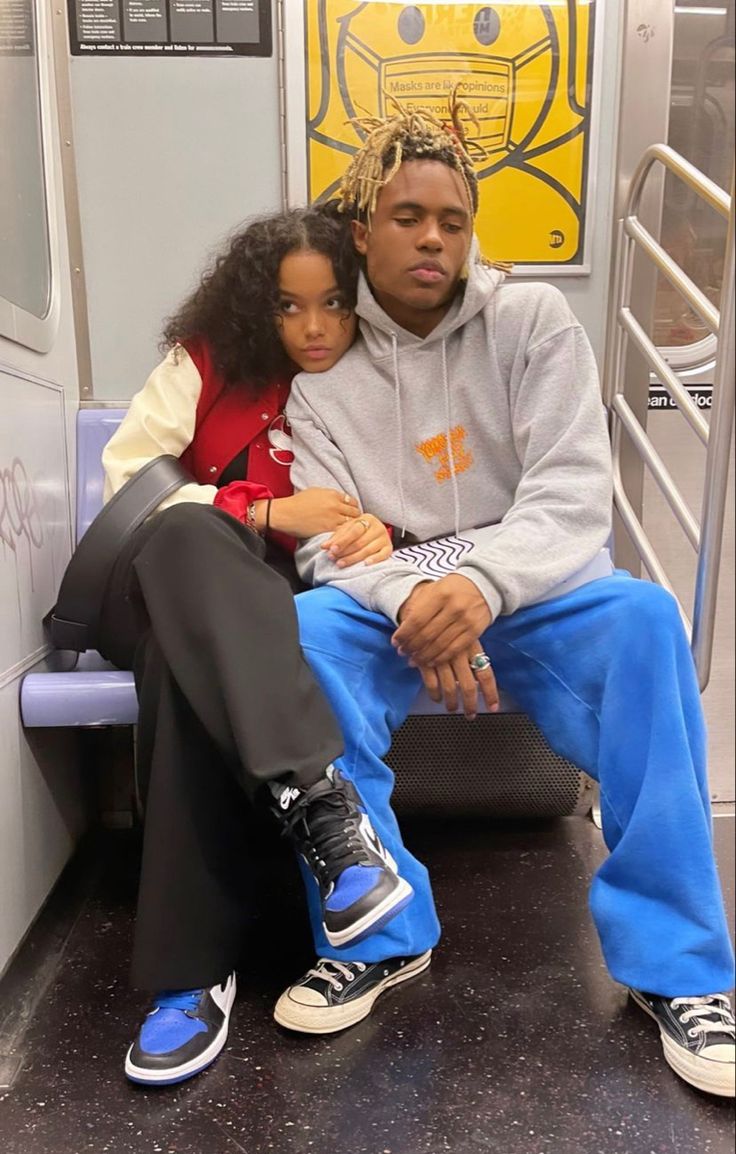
405	135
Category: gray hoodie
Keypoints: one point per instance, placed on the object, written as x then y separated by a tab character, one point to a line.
489	435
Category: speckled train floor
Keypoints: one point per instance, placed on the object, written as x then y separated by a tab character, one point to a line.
515	1042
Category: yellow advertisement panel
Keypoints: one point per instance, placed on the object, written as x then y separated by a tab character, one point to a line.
525	72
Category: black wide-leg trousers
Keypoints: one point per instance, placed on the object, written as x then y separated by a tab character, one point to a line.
226	703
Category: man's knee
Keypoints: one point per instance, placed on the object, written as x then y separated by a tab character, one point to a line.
645	620
648	603
332	622
324	614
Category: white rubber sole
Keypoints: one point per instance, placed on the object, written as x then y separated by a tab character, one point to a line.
703	1073
331	1019
186	1069
379	916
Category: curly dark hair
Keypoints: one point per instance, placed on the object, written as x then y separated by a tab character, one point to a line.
235	305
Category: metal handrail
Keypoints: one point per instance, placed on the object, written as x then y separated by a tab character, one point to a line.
658	469
679	280
706	188
705	536
716	471
665	373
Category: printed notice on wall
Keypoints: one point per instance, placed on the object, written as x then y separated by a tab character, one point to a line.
169	27
16	28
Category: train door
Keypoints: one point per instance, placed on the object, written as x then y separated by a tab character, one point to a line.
701	129
688	209
40	792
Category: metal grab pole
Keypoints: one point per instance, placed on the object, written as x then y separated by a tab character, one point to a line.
716	470
716	435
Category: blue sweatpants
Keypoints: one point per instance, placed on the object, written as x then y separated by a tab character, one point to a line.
606	674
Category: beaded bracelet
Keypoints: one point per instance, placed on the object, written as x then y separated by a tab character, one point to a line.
250	517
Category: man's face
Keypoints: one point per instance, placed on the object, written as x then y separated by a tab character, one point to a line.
417	243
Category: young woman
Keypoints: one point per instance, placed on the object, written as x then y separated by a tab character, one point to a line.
200	605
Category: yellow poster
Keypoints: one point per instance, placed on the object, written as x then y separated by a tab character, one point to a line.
525	72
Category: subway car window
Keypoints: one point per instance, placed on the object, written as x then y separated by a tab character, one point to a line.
702	130
25	263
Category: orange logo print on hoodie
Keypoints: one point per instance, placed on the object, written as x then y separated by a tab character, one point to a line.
436	449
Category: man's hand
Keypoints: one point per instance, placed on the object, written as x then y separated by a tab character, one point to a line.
451	678
440	620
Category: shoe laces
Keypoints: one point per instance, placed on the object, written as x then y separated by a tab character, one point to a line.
344	971
324	825
185	1000
709	1014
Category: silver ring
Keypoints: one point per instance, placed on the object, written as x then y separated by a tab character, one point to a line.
480	662
362	521
346	498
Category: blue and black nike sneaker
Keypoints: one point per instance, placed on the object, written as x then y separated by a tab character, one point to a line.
182	1034
358	879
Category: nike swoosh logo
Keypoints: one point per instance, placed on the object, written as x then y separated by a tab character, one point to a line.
375	843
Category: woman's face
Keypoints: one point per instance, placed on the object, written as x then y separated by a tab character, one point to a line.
315	325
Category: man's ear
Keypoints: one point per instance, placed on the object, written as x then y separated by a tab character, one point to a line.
360	236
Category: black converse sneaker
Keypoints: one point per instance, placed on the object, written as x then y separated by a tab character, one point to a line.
335	995
698	1038
358	879
182	1034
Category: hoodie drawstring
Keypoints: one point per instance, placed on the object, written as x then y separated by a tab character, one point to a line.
399	429
448	427
400	433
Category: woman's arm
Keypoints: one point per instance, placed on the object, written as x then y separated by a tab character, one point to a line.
354	536
161	419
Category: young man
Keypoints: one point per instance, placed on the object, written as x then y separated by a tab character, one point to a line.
469	414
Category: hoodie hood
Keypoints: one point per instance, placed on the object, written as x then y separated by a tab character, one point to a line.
386	339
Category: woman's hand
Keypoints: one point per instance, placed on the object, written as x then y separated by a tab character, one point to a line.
363	539
312	512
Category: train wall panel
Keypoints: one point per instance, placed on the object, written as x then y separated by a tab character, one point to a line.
171	154
42	815
41	798
35	538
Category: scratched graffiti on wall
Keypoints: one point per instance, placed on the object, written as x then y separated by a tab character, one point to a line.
21	526
35	530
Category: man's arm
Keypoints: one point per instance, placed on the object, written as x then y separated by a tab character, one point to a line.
561	515
318	462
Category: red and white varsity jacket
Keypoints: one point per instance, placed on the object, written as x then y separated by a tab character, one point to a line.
184	409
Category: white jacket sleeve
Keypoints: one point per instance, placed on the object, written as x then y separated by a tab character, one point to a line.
161	419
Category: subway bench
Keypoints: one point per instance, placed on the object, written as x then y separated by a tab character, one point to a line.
497	765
